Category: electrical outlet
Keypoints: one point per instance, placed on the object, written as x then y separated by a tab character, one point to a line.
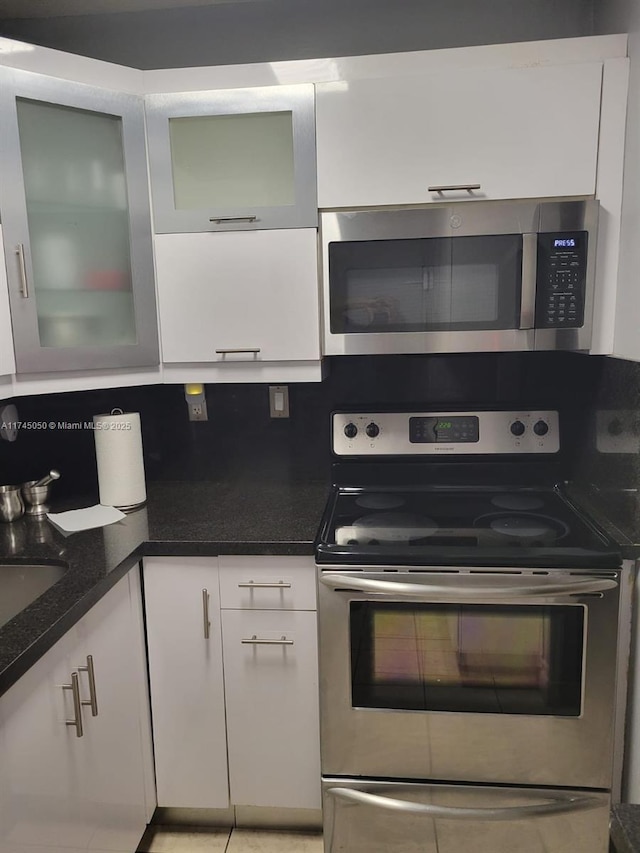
197	409
279	401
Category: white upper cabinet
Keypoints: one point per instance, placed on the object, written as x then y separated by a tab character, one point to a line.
459	134
76	224
238	297
229	159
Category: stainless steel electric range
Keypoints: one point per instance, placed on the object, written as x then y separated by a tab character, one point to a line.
473	641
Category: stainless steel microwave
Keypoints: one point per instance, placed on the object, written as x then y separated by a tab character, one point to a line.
477	276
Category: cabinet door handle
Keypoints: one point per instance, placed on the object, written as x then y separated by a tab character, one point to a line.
271	585
254	350
205	614
77	704
93	697
265	641
22	266
445	188
233	219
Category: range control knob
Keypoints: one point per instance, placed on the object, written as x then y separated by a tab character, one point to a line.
372	430
541	428
517	428
351	430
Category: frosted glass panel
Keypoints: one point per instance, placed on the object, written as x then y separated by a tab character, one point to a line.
232	161
75	186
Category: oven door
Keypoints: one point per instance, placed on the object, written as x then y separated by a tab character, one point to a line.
474	675
375	817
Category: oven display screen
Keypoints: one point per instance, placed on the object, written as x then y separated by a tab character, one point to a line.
446	430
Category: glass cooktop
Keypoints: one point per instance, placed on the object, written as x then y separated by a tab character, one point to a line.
495	527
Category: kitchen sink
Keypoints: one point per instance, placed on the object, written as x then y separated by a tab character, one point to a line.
22	583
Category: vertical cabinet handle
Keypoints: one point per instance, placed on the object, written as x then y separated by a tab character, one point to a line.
93	698
205	614
77	704
24	282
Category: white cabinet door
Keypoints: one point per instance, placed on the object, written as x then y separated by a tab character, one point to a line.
187	691
249	297
271	685
518	132
44	763
116	727
65	787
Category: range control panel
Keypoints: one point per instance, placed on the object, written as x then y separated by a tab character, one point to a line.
448	433
561	280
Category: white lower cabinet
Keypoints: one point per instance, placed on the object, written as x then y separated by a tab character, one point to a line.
263	709
87	787
271	686
185	673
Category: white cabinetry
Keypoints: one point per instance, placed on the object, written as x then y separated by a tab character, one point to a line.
269	688
271	680
517	132
238	298
94	791
187	692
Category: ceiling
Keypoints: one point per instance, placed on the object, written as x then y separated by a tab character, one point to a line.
62	8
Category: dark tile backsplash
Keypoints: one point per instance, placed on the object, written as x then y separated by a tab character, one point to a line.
241	441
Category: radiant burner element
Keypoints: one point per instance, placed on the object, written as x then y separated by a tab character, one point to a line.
383	527
518	502
380	501
540	528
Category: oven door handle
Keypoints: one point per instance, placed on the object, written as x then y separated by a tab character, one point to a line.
434	592
558	805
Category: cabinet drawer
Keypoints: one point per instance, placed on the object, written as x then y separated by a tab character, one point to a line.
267	583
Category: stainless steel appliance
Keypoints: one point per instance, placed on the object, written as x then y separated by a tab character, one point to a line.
473	641
477	276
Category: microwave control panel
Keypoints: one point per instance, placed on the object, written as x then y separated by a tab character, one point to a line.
561	280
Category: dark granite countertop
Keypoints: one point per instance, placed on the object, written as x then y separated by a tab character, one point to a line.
625	828
180	519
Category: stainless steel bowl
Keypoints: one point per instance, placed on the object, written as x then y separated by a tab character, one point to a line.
11	503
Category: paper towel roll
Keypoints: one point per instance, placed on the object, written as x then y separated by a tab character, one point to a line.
120	462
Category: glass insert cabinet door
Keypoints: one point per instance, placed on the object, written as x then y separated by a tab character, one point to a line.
76	222
231	159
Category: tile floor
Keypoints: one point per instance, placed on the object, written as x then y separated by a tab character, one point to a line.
178	839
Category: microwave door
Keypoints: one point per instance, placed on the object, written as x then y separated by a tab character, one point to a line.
470	293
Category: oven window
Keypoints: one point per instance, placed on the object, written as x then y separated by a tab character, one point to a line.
429	284
497	659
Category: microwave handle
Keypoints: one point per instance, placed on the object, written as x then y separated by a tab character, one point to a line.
529	276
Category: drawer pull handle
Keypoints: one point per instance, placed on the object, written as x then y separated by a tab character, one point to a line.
265	641
253	350
266	585
77	704
233	219
205	613
93	698
454	188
